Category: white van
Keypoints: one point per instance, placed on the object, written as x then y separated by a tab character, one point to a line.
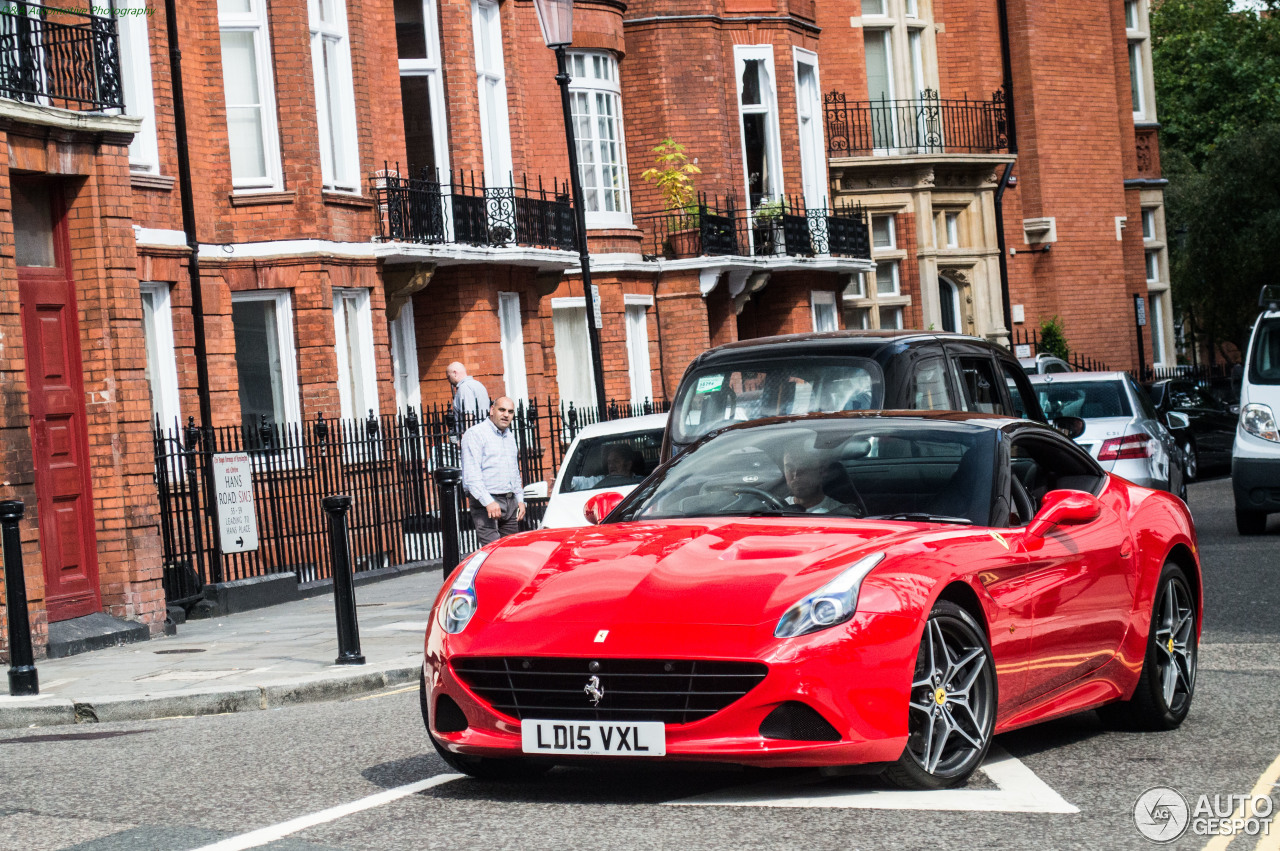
1255	458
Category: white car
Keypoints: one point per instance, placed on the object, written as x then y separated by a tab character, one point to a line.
613	456
1255	458
1122	430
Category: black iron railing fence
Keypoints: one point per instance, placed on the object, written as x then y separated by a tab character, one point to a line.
786	226
59	57
1030	339
384	463
926	125
463	210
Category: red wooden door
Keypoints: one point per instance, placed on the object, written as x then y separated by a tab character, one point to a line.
55	387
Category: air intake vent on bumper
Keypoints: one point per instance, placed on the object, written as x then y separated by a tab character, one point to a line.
799	723
449	717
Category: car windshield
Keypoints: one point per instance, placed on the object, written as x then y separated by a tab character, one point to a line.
612	461
712	398
1088	400
1264	365
840	466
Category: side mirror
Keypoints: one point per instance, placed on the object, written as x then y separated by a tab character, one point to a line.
1072	427
1174	419
1064	508
600	505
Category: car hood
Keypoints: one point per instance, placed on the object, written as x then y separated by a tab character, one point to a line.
722	572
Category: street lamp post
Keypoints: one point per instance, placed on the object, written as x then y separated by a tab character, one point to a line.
556	19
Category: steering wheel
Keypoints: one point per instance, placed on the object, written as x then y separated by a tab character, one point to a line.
764	496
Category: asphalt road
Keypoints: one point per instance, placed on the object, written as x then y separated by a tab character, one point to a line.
191	783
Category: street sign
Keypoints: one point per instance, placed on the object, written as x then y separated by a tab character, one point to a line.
1140	308
595	303
233	489
1022	350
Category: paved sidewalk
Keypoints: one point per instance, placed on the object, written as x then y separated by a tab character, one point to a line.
260	659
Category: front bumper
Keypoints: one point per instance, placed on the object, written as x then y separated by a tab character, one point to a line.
1256	483
856	676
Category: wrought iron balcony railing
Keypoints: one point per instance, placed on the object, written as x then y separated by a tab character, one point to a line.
785	227
427	210
60	57
929	125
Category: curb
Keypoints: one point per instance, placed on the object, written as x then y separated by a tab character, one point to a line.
17	713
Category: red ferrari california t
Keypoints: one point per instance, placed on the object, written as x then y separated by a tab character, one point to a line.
887	588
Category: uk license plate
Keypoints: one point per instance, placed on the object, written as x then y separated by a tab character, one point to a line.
593	738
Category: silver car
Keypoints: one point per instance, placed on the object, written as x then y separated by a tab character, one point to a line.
1122	429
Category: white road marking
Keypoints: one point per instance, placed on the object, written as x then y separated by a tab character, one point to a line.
265	835
1020	791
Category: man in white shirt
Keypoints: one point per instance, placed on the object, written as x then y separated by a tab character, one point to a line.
491	473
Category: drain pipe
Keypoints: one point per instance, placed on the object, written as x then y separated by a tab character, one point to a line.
189	216
1012	133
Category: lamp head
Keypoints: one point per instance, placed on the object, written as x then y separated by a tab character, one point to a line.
556	19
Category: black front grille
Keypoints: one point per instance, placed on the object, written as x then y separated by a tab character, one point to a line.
672	691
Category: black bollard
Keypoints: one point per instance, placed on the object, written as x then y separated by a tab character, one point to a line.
447	481
344	592
23	679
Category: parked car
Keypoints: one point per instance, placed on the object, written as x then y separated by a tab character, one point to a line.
1121	428
724	613
1206	441
1255	457
1044	365
845	371
609	456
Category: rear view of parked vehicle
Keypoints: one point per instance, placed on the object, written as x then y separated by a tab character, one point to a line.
1255	458
1122	429
1206	441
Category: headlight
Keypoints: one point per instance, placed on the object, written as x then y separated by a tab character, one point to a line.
831	604
1259	421
460	604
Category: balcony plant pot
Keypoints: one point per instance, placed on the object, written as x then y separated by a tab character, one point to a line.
686	242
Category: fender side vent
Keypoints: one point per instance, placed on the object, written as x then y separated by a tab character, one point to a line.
798	722
449	717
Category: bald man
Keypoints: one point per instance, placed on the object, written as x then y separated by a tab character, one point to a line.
491	473
470	399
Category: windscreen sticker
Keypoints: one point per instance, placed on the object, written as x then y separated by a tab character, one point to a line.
710	383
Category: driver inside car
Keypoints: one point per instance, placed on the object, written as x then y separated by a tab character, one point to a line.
803	471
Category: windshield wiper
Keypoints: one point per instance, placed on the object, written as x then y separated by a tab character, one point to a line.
922	517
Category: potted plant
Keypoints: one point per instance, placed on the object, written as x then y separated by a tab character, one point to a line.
673	174
767	223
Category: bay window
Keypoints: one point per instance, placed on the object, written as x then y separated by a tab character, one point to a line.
422	88
335	97
353	340
758	111
248	92
491	77
595	98
266	366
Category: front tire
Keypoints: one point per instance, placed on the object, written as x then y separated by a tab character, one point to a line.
1168	681
1251	522
952	710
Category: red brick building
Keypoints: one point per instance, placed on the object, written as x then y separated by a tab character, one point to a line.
370	209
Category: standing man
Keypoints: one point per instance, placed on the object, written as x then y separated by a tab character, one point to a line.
491	473
469	396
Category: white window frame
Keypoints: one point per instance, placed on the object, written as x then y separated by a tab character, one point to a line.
403	337
335	110
820	302
367	381
890	219
813	150
951	228
284	341
1137	69
255	22
865	304
591	88
139	98
495	121
894	275
515	374
769	95
1151	260
639	366
1148	223
1156	300
431	68
165	399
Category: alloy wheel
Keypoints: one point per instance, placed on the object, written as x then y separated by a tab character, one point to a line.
952	698
1175	645
1191	466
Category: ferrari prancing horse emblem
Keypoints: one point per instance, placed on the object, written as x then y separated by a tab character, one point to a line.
594	691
